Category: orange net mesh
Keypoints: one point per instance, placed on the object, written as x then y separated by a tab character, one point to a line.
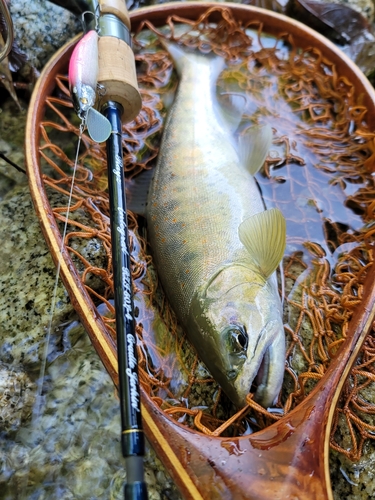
319	173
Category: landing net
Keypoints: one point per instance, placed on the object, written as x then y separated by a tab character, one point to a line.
319	173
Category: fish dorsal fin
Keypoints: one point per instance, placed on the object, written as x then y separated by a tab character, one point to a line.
264	236
137	190
253	147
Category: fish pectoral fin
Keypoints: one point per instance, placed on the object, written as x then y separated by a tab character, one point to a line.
137	190
264	236
254	146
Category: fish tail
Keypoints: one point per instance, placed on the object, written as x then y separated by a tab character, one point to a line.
185	59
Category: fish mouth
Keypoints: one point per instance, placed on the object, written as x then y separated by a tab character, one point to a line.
256	383
266	378
263	369
270	374
259	383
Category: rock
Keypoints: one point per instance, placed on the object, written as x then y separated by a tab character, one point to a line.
364	7
17	396
27	276
12	138
41	28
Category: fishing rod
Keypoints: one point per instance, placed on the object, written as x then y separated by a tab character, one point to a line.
119	102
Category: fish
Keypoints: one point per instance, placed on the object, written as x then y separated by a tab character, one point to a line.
215	247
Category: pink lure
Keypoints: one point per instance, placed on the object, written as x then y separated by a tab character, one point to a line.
83	73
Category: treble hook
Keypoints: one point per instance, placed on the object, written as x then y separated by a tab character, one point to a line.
10	32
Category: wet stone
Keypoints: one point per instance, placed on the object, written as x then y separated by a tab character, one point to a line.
26	284
41	28
12	134
17	396
27	279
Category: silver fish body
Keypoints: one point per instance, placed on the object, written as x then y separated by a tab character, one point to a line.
200	195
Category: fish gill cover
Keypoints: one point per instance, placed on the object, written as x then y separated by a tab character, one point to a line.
319	173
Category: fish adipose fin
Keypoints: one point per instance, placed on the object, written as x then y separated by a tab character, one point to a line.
264	236
253	147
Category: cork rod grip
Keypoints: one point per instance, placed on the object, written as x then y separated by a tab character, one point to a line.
118	76
116	7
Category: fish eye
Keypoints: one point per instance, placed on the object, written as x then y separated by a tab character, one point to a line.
238	338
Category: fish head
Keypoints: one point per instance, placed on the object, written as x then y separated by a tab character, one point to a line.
241	322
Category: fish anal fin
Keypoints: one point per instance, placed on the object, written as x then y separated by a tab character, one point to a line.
253	147
264	237
137	190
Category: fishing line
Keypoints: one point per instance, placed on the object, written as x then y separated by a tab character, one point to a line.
38	396
54	294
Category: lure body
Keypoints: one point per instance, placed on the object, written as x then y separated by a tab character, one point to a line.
83	73
83	81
